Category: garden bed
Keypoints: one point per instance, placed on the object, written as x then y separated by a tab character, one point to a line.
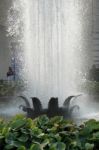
22	133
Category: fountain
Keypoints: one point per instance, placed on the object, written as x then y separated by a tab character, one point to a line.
53	108
51	47
47	38
51	40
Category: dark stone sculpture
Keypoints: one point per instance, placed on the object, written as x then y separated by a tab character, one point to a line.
53	108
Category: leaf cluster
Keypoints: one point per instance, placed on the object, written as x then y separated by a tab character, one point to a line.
23	133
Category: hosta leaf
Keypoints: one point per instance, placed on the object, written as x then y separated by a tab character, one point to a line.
17	143
58	146
10	138
18	117
18	124
76	144
96	135
35	147
92	125
36	131
9	147
43	120
23	138
56	120
29	123
1	137
21	148
25	131
45	142
5	130
89	146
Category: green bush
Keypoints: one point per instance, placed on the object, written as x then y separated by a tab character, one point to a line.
89	87
48	134
10	88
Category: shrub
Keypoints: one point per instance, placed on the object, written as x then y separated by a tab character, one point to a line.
10	88
48	134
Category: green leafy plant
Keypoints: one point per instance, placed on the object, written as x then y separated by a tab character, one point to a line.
10	88
89	87
23	133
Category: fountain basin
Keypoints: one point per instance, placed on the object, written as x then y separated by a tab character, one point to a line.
53	108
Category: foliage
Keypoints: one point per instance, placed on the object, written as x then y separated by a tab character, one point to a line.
48	134
94	73
9	88
91	87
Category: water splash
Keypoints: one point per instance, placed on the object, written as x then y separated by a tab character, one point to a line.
17	27
50	34
54	48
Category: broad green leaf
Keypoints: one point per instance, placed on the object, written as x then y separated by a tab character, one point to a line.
10	138
21	148
30	123
35	147
18	117
5	130
96	135
17	144
23	138
1	137
43	120
9	147
58	146
92	125
18	124
35	131
56	120
89	146
45	143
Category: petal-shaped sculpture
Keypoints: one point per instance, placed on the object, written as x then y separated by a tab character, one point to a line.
52	110
25	100
53	104
75	107
36	104
66	103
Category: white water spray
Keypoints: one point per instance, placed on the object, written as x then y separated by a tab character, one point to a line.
49	32
53	48
49	38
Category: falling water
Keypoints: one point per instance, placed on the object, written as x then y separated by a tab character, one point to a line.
53	47
50	42
49	35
